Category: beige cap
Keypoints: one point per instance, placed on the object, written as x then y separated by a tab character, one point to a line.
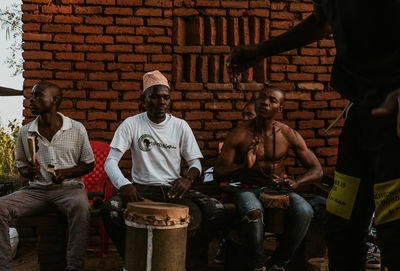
154	78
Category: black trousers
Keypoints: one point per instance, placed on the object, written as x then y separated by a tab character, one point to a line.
207	212
367	179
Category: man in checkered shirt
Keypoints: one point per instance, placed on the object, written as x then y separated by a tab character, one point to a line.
63	145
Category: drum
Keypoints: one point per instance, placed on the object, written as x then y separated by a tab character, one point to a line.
156	236
275	206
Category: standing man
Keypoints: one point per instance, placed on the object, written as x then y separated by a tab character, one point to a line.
365	71
62	144
254	154
158	142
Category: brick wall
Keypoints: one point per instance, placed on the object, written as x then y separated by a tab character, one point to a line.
98	50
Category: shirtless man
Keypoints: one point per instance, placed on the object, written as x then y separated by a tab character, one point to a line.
261	146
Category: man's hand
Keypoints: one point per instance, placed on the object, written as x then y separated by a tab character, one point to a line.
391	104
129	194
58	176
252	153
286	182
240	59
33	170
179	187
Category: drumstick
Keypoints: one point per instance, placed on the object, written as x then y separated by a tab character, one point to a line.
32	148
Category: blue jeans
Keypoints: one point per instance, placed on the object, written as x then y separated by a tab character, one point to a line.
299	216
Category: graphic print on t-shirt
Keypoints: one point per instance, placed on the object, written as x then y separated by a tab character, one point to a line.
146	143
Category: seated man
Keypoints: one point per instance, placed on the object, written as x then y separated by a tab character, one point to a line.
260	146
158	141
62	143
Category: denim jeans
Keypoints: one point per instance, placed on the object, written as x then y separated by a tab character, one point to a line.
299	216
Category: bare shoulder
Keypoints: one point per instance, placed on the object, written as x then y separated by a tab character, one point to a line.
291	135
240	132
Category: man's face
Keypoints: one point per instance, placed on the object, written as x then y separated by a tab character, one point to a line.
268	103
157	101
249	111
41	100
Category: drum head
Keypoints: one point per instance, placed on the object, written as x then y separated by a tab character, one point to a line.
194	212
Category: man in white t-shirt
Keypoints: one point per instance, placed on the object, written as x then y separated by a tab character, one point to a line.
158	141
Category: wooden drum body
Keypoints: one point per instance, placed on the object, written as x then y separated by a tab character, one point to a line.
275	206
156	236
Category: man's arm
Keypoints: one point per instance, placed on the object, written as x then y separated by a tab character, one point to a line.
307	158
183	184
311	29
126	188
225	168
69	173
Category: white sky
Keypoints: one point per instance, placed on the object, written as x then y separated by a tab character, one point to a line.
10	107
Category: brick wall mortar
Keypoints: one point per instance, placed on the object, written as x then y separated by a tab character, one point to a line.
98	51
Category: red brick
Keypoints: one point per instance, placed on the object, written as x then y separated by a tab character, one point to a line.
74	94
100	57
214	12
28	65
129	86
70	56
149	31
104	95
53	9
328	114
258	12
132	58
300	115
235	4
95	125
338	103
102	116
85	29
100	39
99	20
91	105
36	55
218	106
282	15
91	66
198	115
159	22
148	12
68	19
74	115
314	104
129	21
29	7
101	2
36	37
108	76
87	48
148	49
119	48
36	18
64	66
297	96
31	46
28	27
120	30
130	2
123	105
307	124
328	151
185	105
160	66
88	10
235	115
66	105
129	39
301	7
329	95
68	38
120	67
185	12
70	75
131	95
314	69
305	60
56	28
311	86
218	125
158	3
38	74
97	85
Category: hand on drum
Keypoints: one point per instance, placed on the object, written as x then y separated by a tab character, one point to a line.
129	194
286	182
179	187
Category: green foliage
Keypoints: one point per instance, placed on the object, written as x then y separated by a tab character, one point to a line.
8	146
10	20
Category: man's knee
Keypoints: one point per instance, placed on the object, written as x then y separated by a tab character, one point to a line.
253	216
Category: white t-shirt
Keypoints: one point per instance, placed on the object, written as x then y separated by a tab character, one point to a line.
157	149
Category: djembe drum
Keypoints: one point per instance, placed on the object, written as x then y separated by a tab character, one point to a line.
275	205
156	236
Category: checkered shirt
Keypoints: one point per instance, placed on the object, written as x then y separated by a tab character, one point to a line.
68	147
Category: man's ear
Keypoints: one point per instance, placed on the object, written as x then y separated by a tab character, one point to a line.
281	108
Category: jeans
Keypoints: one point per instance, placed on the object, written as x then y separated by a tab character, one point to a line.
71	200
299	216
202	208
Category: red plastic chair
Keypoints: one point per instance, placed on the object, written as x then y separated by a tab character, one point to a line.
99	186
